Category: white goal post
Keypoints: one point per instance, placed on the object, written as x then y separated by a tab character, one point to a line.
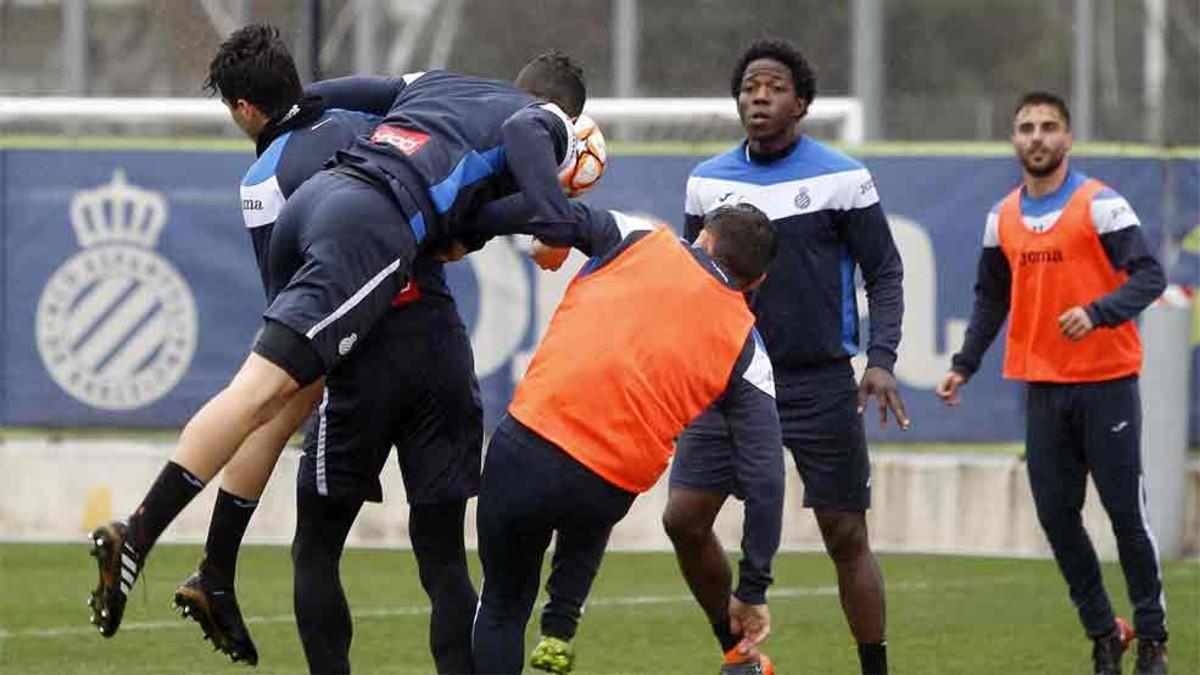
845	112
21	112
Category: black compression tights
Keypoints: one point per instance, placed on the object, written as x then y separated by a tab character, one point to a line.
322	614
436	532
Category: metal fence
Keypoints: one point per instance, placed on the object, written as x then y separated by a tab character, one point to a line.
924	69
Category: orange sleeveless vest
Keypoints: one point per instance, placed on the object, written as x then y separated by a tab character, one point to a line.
635	351
1053	271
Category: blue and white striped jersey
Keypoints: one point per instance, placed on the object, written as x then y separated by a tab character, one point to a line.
829	221
290	152
452	142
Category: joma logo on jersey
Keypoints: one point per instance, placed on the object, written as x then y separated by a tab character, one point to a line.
404	140
1035	257
252	205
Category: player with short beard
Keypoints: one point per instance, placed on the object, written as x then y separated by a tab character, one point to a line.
1065	261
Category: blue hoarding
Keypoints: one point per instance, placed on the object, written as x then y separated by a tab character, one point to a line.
130	294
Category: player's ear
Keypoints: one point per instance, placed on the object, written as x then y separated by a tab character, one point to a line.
801	108
753	285
250	111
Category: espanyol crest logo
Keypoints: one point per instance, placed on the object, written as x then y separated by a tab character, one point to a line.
803	199
116	323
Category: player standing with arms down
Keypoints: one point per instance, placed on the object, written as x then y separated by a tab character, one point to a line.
1064	260
829	221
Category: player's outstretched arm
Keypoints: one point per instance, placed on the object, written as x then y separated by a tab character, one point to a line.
373	95
749	407
592	231
535	140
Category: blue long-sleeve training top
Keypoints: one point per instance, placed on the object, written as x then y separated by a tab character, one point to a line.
451	142
829	221
298	144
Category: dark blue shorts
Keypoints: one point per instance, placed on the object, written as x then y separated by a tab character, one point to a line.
340	251
821	428
411	384
824	432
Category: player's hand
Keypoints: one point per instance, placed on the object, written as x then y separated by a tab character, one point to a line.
752	622
881	384
947	389
1075	323
548	257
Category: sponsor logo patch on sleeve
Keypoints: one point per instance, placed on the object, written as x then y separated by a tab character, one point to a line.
404	140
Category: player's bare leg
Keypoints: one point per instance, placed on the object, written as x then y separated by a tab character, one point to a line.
860	583
688	520
208	596
246	475
256	394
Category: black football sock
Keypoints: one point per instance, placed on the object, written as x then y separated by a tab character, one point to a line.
725	635
873	658
174	489
231	515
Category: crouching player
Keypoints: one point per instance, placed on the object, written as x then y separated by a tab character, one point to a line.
624	366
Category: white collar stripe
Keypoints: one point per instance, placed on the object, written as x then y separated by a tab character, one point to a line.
842	191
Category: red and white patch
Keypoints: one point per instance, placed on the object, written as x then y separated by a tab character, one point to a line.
407	295
404	140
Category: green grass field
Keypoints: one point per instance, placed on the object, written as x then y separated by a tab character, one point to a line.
946	615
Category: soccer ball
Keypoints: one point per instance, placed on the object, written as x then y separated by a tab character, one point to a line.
590	157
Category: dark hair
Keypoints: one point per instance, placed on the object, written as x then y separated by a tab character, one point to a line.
554	77
1045	98
254	64
743	240
784	52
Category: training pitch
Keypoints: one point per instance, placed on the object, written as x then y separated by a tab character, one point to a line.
945	615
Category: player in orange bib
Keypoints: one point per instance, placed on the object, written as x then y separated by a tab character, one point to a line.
1064	259
650	333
